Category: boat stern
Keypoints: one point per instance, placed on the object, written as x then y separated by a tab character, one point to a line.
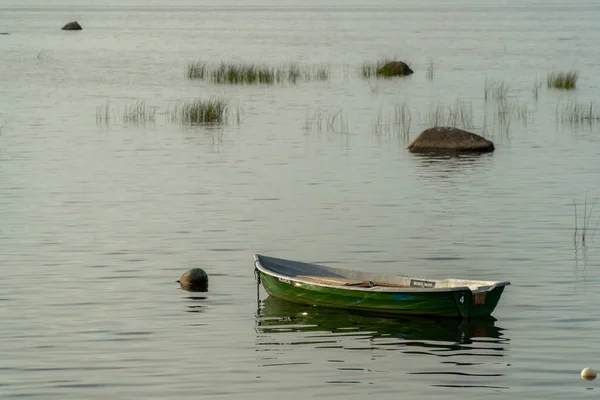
476	304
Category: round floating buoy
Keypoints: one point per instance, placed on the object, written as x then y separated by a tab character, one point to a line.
588	374
194	280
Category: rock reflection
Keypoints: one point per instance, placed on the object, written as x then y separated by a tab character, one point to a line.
449	165
451	160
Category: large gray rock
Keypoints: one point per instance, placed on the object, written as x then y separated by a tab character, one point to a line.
72	26
448	139
194	280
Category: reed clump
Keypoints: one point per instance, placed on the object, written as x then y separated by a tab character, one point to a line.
506	109
138	113
458	115
369	69
196	70
199	111
244	74
576	112
330	121
562	80
249	73
402	118
495	90
399	123
104	114
319	73
537	85
583	230
520	111
430	70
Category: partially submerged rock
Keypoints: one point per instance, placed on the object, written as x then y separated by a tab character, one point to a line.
194	280
72	26
394	68
448	139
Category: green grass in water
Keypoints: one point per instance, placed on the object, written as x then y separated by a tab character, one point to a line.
562	80
199	111
139	113
576	112
248	73
196	70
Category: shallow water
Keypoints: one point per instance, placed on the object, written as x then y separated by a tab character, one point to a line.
97	221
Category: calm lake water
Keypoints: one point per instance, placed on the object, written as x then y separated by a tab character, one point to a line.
98	220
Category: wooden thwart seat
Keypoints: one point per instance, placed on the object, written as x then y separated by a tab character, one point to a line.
348	282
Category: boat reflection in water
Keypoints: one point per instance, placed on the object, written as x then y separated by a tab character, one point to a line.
458	353
277	315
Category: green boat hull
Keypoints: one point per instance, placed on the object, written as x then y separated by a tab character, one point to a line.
457	303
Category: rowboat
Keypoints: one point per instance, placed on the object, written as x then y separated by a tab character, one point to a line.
319	285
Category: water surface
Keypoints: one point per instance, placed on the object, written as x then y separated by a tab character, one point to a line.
97	221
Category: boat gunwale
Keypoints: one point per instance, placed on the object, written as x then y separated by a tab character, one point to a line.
385	289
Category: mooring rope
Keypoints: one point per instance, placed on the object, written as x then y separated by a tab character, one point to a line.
257	278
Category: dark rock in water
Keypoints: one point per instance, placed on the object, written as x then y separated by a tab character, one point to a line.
4	33
394	68
72	26
194	280
448	139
